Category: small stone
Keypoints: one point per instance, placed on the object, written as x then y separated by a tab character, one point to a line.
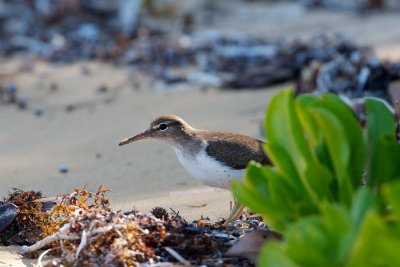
63	168
70	107
11	92
102	89
22	102
89	32
2	93
38	111
53	87
8	212
85	70
11	88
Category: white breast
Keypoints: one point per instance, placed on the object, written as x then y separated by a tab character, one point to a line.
207	170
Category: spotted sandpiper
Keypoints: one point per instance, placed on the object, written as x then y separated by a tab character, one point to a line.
212	157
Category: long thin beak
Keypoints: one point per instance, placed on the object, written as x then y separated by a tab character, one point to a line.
137	137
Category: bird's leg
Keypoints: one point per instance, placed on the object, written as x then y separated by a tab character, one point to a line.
235	213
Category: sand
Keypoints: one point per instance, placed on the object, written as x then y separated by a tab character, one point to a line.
147	174
86	139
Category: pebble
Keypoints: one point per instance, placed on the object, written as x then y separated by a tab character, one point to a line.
89	32
70	107
38	111
53	87
11	89
63	168
8	212
102	89
11	92
22	102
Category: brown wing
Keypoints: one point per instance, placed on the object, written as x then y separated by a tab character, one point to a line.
236	151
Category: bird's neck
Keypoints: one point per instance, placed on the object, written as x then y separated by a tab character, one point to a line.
188	140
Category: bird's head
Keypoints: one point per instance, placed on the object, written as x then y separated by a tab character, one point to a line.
168	128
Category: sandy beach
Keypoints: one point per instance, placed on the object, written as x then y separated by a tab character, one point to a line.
81	127
86	139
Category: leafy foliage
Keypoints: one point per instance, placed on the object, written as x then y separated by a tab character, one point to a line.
334	187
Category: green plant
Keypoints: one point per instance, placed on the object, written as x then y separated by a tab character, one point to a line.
334	188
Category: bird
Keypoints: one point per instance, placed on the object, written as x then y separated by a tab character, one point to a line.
214	158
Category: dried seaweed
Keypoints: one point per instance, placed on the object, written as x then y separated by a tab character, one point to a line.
355	75
39	217
358	6
29	224
81	229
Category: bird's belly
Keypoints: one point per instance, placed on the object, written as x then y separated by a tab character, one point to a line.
208	170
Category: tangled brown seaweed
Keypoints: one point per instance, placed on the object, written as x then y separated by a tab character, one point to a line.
80	229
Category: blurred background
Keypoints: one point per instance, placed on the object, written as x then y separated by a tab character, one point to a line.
76	77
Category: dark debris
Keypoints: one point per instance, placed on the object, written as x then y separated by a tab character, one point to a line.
359	6
27	226
71	30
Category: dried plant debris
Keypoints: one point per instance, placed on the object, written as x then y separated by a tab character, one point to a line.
355	74
28	223
215	59
160	213
232	61
65	30
323	64
80	229
39	217
249	246
206	58
354	5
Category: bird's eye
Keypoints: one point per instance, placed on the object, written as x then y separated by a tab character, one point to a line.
163	127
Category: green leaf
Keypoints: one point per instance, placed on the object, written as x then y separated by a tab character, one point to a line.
377	244
273	256
309	235
391	193
381	122
382	147
256	178
283	129
384	165
319	179
338	225
284	164
265	184
251	198
323	157
284	199
335	136
363	201
354	134
313	191
307	121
